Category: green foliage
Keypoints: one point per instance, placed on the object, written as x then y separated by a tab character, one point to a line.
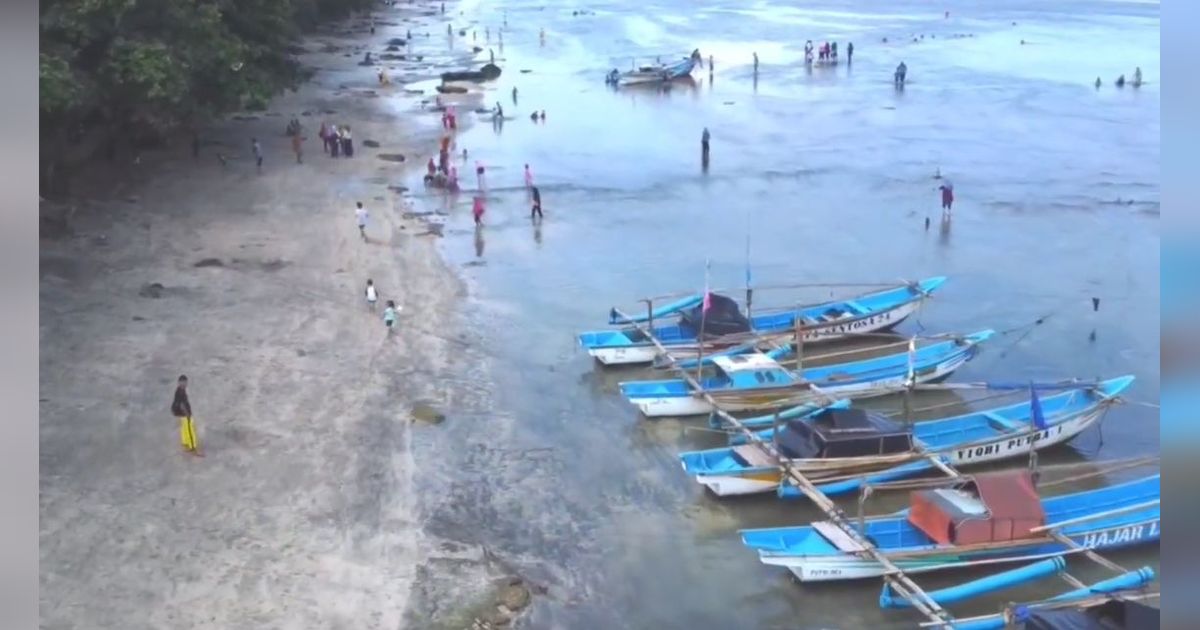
147	65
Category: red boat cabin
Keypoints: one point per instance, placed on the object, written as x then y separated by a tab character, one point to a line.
990	507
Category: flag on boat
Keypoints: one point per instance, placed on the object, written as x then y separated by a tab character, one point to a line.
707	293
1035	408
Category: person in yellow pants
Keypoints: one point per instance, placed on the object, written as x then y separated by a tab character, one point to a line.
182	409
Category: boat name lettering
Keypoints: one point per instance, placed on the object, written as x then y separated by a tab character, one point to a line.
1120	536
850	326
998	448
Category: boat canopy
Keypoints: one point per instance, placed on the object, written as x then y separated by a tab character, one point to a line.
836	433
989	508
723	317
1109	615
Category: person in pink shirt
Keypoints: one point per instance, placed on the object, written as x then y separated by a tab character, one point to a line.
528	177
477	210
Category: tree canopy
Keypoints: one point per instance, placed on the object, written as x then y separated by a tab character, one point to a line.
146	66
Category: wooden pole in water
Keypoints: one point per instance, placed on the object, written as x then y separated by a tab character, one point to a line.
910	380
775	438
799	344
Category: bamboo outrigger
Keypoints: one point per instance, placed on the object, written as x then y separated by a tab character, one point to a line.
900	589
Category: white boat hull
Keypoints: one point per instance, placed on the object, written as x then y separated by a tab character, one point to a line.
647	352
695	405
834	567
1003	447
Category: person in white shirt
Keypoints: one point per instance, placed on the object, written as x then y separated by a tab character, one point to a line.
360	214
372	295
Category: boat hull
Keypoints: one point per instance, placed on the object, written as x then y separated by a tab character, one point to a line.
646	352
691	405
832	568
754	481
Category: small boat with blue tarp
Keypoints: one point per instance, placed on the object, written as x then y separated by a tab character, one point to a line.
980	520
839	449
1108	605
723	325
757	380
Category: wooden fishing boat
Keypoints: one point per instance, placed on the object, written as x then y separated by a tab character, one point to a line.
757	380
725	327
987	519
839	449
659	73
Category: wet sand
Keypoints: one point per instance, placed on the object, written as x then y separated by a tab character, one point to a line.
302	512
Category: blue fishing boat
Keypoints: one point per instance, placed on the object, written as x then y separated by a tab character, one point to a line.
725	326
658	73
756	380
839	449
987	519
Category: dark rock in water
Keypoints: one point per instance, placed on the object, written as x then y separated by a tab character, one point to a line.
152	290
210	262
245	118
392	57
424	412
477	49
451	89
398	189
462	32
396	41
371	143
139	318
488	72
392	48
525	70
306	113
515	596
391	157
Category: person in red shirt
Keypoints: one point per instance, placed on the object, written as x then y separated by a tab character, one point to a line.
947	197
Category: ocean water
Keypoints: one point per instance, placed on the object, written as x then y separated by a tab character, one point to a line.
815	177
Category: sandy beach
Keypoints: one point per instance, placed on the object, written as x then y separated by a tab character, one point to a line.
302	512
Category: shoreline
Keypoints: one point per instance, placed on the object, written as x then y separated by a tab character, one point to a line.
304	509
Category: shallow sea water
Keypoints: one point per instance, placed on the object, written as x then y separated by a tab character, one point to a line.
829	175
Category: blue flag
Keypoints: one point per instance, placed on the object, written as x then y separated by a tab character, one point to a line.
1035	408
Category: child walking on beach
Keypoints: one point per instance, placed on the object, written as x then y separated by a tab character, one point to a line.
477	210
372	295
389	316
360	215
258	156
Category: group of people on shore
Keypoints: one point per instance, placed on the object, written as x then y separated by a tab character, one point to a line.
827	51
336	140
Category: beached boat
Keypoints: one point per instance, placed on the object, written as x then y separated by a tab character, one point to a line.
659	73
757	380
725	327
987	519
840	448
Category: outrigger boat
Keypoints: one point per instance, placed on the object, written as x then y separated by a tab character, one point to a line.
725	327
657	73
840	448
757	380
987	519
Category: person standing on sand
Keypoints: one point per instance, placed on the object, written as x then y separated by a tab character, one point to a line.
335	143
389	317
756	63
850	52
347	142
258	156
323	133
298	147
704	138
947	197
360	215
514	95
181	407
479	170
372	295
528	177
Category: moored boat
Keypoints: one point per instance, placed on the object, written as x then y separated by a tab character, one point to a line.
756	380
726	327
839	449
992	518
